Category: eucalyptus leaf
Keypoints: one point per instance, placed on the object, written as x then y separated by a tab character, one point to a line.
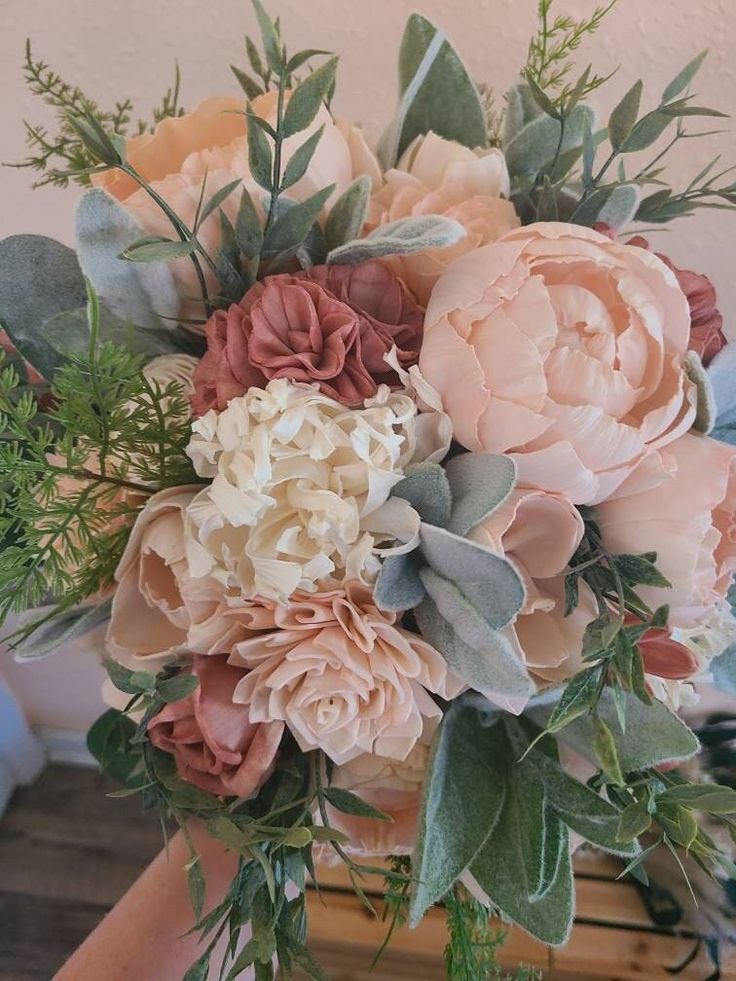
269	36
143	294
248	230
624	116
260	157
350	803
297	164
218	198
196	884
646	132
61	630
308	97
347	216
479	483
684	77
437	94
402	237
426	488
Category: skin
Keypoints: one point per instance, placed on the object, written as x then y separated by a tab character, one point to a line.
142	937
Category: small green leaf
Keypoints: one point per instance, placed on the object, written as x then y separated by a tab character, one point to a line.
156	248
684	77
130	682
200	969
248	230
307	99
678	823
604	747
578	698
218	198
177	688
251	88
647	131
295	224
269	35
350	803
298	837
260	158
302	57
624	116
196	884
639	570
296	168
712	798
635	820
347	216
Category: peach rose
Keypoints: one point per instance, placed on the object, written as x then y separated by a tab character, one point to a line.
439	177
330	325
343	677
211	143
689	520
564	349
159	609
215	745
540	533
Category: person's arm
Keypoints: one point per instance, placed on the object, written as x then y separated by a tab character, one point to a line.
142	937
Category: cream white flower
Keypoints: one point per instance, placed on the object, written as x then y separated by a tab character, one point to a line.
168	368
300	489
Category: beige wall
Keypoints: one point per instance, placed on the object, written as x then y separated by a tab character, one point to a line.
128	48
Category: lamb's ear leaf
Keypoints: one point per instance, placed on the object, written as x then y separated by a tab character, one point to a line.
437	94
705	418
535	145
60	630
521	108
480	656
398	586
142	293
487	580
480	483
451	836
616	206
653	734
402	237
347	216
425	487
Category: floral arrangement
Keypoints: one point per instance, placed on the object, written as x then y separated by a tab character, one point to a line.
403	483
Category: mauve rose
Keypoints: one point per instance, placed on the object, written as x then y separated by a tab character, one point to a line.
330	325
665	657
214	743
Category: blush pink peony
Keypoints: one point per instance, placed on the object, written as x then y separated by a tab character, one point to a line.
343	676
215	745
331	325
689	520
564	349
540	533
436	176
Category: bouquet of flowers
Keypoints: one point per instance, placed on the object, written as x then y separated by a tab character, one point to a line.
404	482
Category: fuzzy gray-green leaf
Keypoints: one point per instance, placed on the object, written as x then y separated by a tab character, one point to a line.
426	488
295	224
479	483
347	216
684	77
402	237
705	417
622	119
398	586
535	146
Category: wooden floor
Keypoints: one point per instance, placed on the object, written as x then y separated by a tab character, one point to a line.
67	852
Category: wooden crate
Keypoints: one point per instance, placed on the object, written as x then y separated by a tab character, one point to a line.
613	938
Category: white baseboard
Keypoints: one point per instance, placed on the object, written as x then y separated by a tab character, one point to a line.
65	746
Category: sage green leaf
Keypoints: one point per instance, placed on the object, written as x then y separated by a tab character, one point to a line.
653	733
398	586
426	488
521	108
634	821
248	230
297	165
712	798
108	740
249	85
156	248
460	768
350	803
482	657
684	77
177	688
347	216
269	35
260	158
301	57
61	630
130	682
200	969
479	483
620	207
536	145
705	416
624	116
307	99
196	884
145	295
436	94
604	747
487	580
402	237
641	570
218	198
647	131
295	223
579	697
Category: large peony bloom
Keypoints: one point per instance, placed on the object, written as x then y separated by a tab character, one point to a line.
540	533
343	677
439	177
214	743
689	520
332	325
208	147
564	349
300	488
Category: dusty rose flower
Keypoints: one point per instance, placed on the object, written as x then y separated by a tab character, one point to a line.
439	177
689	520
540	533
565	350
331	325
159	608
343	677
215	745
666	657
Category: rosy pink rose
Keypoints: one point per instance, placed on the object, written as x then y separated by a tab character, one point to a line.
540	533
159	609
565	350
436	176
665	657
331	325
214	743
688	520
343	677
